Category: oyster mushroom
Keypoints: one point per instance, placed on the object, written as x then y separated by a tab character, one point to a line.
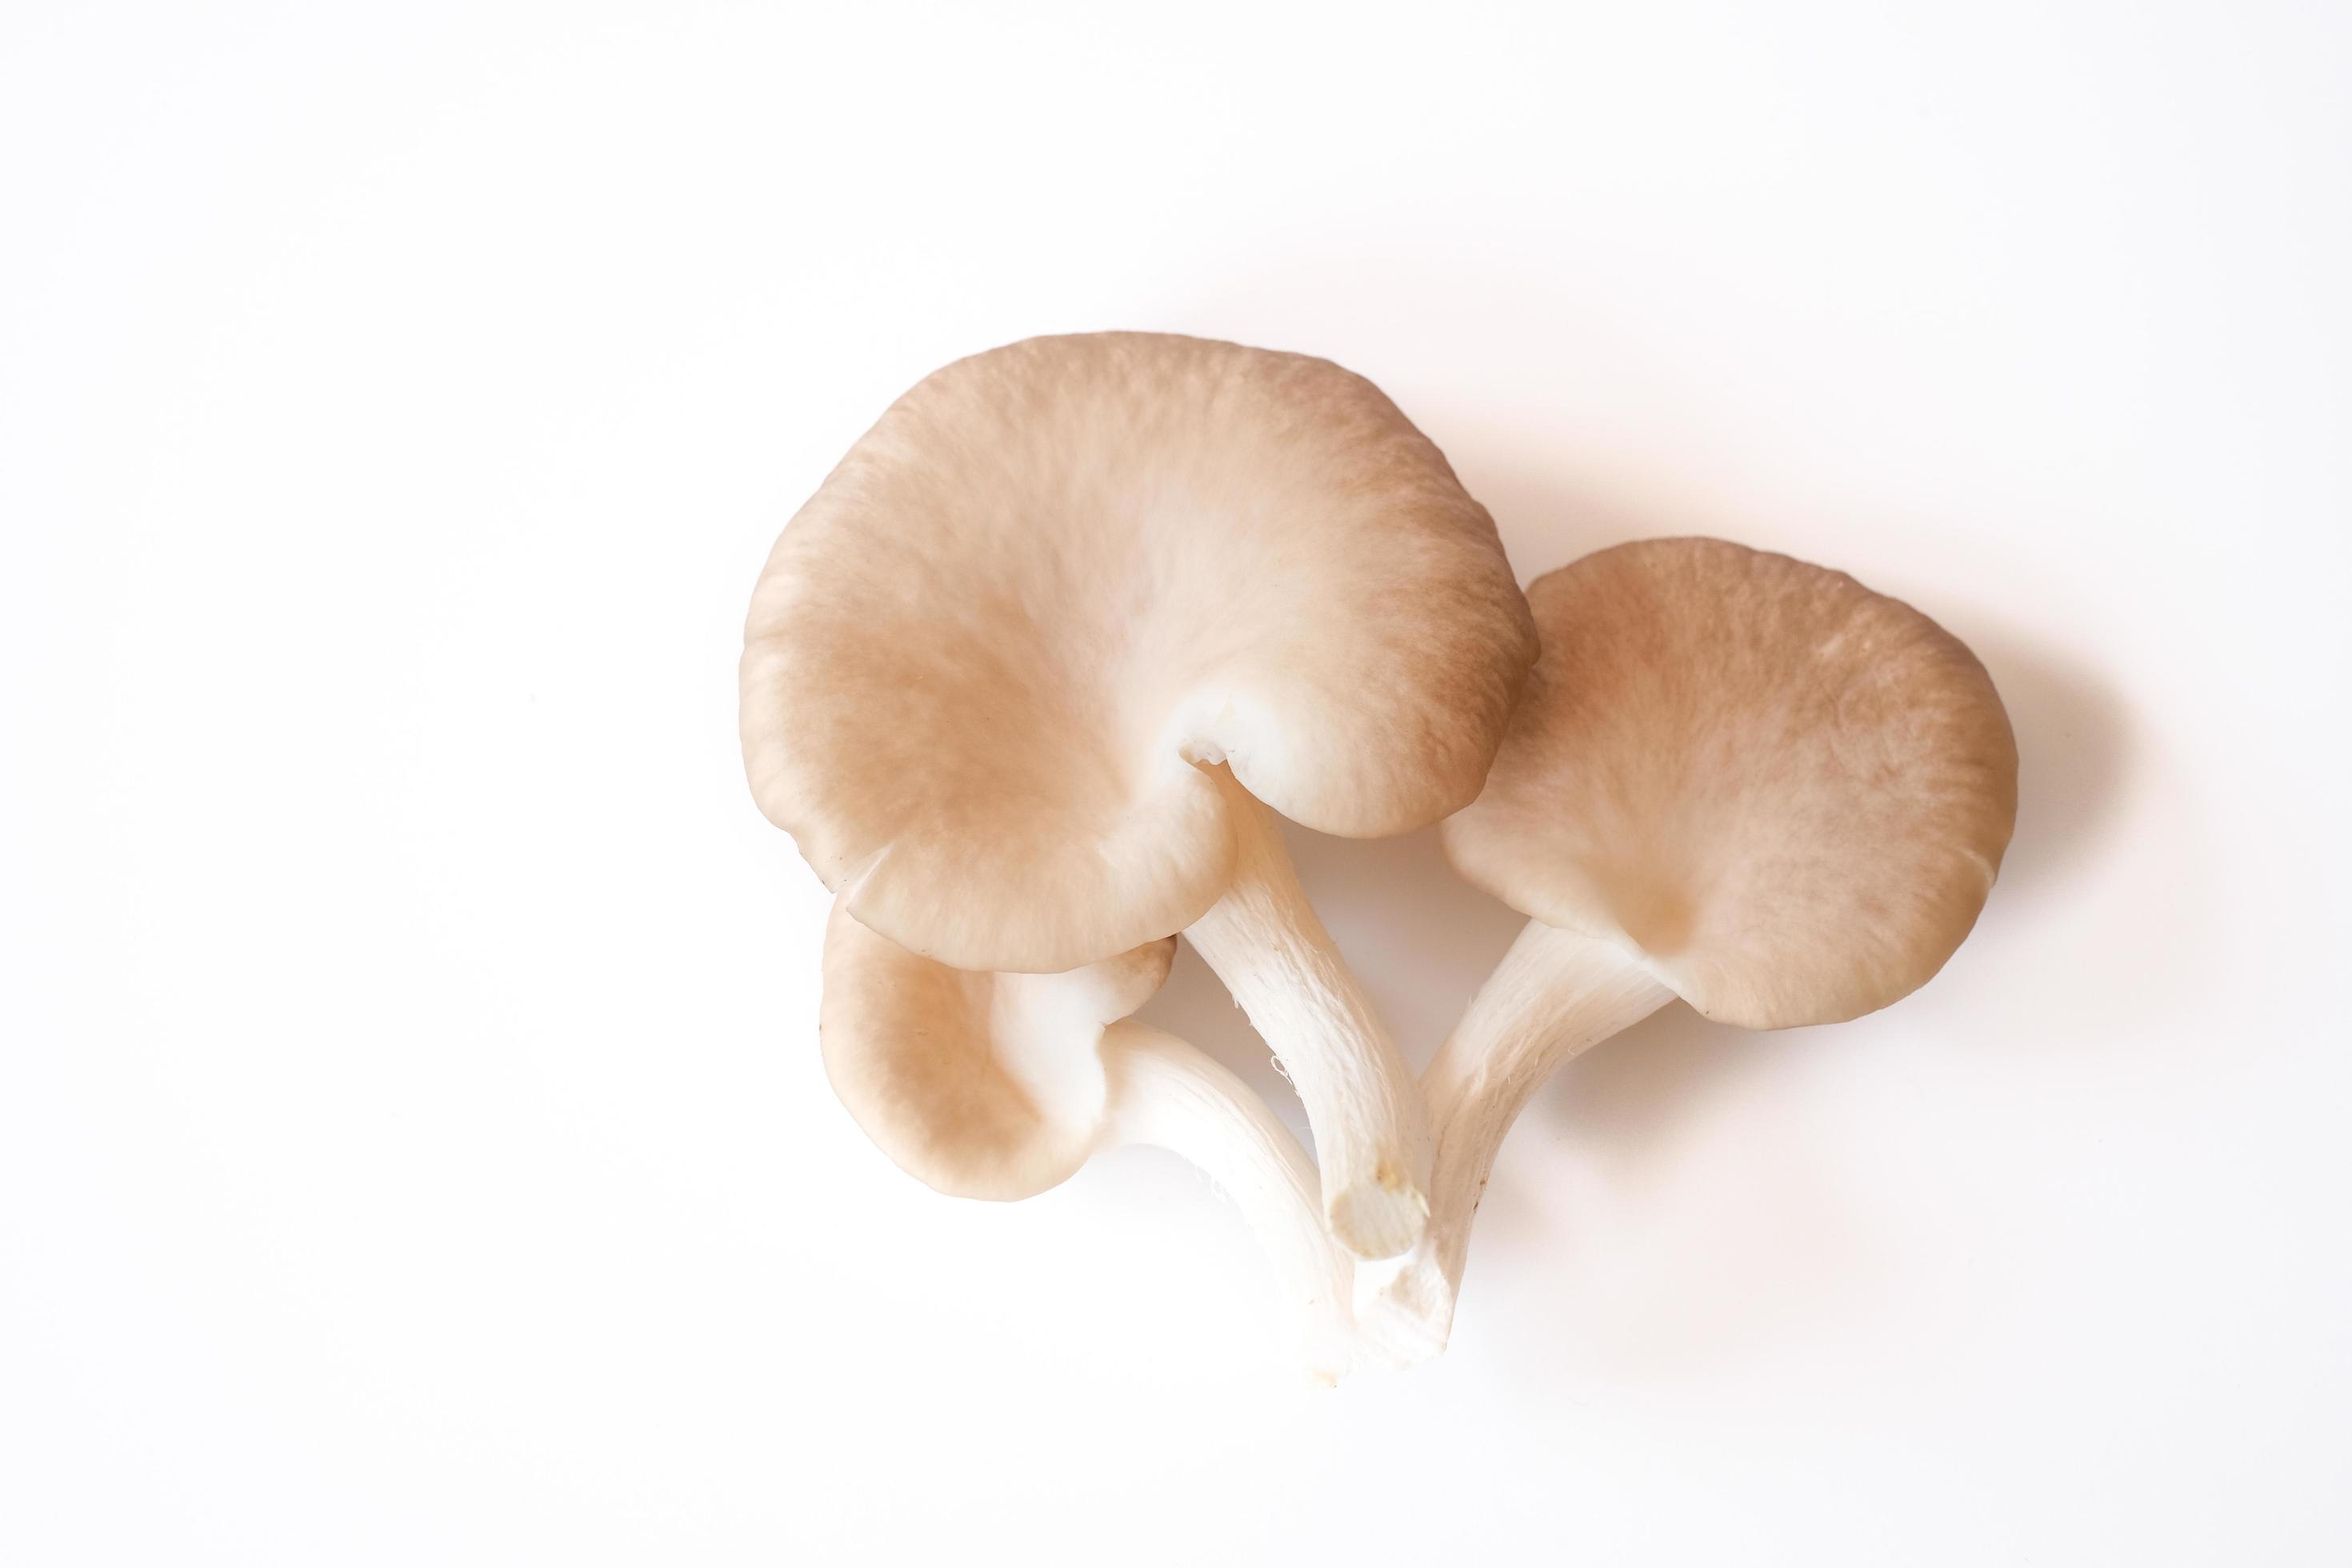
1028	678
1734	778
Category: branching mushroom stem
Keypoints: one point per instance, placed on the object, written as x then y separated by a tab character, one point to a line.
1263	941
1166	1092
1554	995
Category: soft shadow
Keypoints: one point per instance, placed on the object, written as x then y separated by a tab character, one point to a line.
2074	753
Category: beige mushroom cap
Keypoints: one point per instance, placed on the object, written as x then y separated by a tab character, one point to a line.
1792	794
981	1086
982	660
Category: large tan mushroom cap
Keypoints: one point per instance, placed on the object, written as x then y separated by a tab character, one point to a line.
981	1086
1790	793
982	660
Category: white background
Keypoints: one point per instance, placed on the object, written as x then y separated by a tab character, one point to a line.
412	1145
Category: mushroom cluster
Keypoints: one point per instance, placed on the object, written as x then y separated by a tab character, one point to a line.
1030	678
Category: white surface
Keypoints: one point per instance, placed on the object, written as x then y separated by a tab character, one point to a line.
413	1146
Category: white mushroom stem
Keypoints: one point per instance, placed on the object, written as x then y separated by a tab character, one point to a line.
1166	1092
1554	995
1372	1139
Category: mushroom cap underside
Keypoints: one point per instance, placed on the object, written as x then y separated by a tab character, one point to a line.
1792	794
984	660
979	1085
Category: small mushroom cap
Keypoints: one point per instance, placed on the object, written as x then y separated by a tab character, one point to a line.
981	1086
1790	793
982	660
